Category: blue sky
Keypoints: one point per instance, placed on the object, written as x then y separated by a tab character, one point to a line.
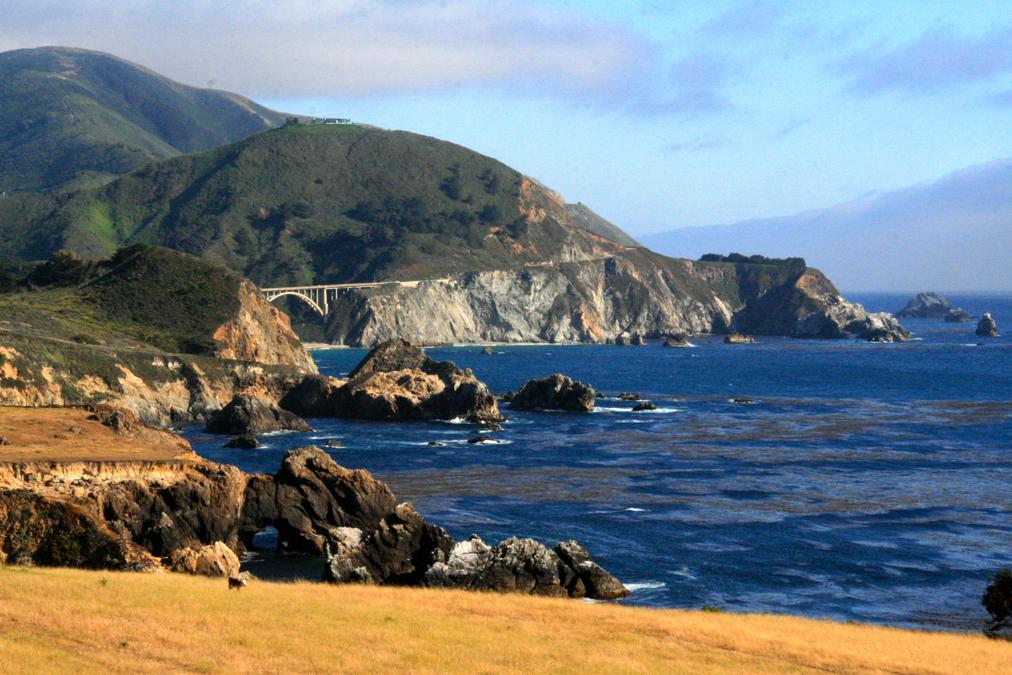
656	114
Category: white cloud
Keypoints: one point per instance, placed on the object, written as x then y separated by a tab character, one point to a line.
338	48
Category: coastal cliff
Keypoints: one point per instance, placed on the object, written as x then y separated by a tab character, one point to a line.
633	291
165	335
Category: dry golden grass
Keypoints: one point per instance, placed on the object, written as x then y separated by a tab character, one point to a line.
59	620
67	435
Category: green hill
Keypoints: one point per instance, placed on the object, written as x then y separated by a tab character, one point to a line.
314	203
71	117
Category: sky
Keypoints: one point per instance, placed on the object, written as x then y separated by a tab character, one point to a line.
655	114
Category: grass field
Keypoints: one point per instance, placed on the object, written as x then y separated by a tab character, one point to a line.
60	620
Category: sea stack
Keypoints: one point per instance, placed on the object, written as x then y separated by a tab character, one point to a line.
986	327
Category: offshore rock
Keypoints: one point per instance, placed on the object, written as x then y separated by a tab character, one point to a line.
311	494
399	551
556	392
595	581
957	315
314	396
252	415
679	340
738	339
987	327
925	306
842	319
398	381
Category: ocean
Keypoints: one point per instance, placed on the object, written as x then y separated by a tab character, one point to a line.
866	482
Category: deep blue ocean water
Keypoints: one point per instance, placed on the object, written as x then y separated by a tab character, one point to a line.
865	482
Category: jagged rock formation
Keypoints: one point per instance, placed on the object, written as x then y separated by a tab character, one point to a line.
632	292
131	514
925	306
957	315
679	340
252	415
555	392
195	516
397	381
840	319
738	339
405	550
987	327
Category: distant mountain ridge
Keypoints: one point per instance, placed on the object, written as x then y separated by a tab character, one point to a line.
71	117
954	234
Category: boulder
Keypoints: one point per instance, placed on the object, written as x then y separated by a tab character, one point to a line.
957	315
243	442
462	566
679	340
314	396
628	396
987	327
738	339
638	339
645	405
595	581
844	319
398	551
213	560
556	392
488	351
925	306
311	494
252	415
397	381
120	420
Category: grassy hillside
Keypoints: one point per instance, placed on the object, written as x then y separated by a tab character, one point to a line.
71	117
308	204
150	297
62	620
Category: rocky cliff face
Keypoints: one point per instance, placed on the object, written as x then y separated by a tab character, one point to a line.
633	291
261	333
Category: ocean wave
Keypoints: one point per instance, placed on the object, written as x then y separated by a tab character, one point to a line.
645	585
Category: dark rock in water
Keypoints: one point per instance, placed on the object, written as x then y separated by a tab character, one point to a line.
628	396
741	399
738	339
556	392
987	327
843	320
597	583
333	443
488	351
646	405
397	381
492	426
679	340
433	443
957	315
313	494
314	396
480	439
398	551
247	415
243	442
925	306
394	355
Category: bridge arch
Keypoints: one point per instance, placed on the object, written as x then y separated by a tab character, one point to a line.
301	295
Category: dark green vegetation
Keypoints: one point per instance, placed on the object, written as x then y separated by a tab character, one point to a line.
997	600
754	259
313	204
71	117
584	218
140	298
